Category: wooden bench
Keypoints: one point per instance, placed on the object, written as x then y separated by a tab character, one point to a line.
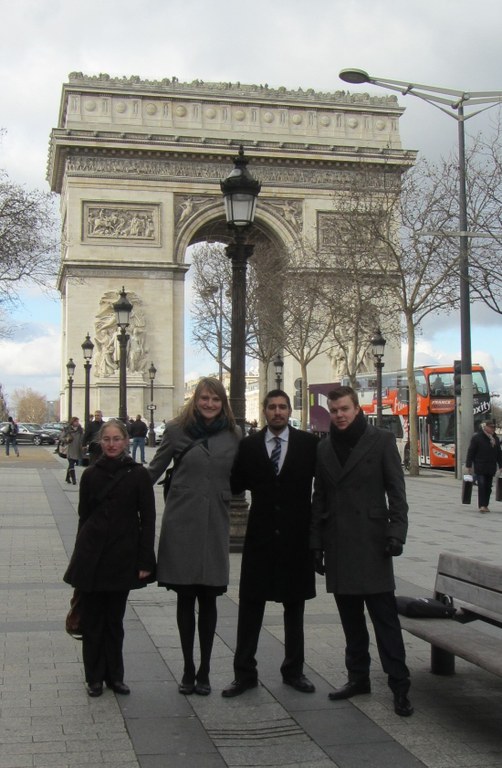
476	589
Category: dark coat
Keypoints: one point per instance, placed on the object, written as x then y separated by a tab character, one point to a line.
276	562
482	455
115	538
355	509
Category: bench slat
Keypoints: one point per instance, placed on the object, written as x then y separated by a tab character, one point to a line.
473	594
460	639
466	569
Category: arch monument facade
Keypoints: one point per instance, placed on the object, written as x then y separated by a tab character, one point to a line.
138	164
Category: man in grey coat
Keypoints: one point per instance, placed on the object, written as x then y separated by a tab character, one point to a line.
359	522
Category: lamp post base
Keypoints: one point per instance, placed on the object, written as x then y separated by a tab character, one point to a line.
238	522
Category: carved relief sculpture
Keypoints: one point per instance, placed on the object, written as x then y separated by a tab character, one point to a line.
107	354
121	222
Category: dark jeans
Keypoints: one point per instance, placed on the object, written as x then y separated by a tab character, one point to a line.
484	489
248	632
383	613
103	635
11	440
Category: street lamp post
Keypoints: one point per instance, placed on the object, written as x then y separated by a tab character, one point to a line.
151	432
87	348
123	309
70	368
452	103
378	344
240	191
278	366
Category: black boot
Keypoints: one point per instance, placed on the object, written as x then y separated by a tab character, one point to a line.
73	477
67	478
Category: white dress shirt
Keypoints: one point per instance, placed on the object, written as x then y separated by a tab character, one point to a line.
270	443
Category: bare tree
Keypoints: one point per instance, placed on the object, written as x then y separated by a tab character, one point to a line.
28	244
29	405
4	411
211	304
396	238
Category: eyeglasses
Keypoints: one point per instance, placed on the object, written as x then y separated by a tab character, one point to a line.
112	439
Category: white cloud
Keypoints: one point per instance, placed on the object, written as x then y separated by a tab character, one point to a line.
287	42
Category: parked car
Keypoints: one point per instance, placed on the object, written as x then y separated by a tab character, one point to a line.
159	431
30	433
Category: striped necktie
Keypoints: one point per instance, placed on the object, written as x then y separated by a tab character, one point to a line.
276	454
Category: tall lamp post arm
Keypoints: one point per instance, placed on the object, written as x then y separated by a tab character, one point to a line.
456	100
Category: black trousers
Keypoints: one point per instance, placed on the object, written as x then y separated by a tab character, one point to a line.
383	613
249	624
103	635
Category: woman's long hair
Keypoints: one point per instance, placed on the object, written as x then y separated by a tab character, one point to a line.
188	415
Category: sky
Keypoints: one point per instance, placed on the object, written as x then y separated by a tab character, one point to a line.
291	43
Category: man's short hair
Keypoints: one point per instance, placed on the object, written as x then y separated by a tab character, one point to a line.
338	392
276	393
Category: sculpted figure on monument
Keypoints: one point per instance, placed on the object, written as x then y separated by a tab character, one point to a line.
107	354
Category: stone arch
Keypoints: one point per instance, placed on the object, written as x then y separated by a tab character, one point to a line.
138	167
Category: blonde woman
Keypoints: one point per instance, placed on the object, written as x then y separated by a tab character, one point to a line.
193	557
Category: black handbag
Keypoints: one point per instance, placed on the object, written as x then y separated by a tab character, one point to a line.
425	607
168	477
74	617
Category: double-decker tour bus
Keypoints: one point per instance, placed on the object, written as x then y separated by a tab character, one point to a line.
436	409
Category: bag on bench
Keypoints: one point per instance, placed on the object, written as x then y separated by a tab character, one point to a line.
425	607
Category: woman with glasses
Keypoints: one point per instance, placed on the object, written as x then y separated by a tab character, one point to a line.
114	553
193	557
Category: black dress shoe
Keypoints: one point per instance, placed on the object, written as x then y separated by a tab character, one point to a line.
402	705
95	689
300	683
117	686
238	687
354	688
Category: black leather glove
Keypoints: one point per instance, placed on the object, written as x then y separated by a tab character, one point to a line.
393	548
319	562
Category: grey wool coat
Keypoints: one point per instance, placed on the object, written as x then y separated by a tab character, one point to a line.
355	508
195	530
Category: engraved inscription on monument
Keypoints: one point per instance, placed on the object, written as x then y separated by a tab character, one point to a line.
121	222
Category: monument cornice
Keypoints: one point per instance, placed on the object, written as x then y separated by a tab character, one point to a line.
199	89
199	151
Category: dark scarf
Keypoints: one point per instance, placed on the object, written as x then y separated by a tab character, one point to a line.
344	440
200	430
110	466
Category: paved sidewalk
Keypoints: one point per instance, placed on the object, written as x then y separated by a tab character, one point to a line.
47	719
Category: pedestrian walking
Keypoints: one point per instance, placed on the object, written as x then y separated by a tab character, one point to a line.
71	442
484	455
11	436
138	430
114	553
193	557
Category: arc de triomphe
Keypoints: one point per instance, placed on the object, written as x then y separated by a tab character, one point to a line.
138	165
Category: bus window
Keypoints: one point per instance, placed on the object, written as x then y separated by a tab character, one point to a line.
421	383
479	385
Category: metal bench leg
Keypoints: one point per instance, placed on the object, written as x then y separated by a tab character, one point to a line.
442	662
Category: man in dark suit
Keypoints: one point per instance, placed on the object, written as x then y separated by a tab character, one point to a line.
359	522
277	465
